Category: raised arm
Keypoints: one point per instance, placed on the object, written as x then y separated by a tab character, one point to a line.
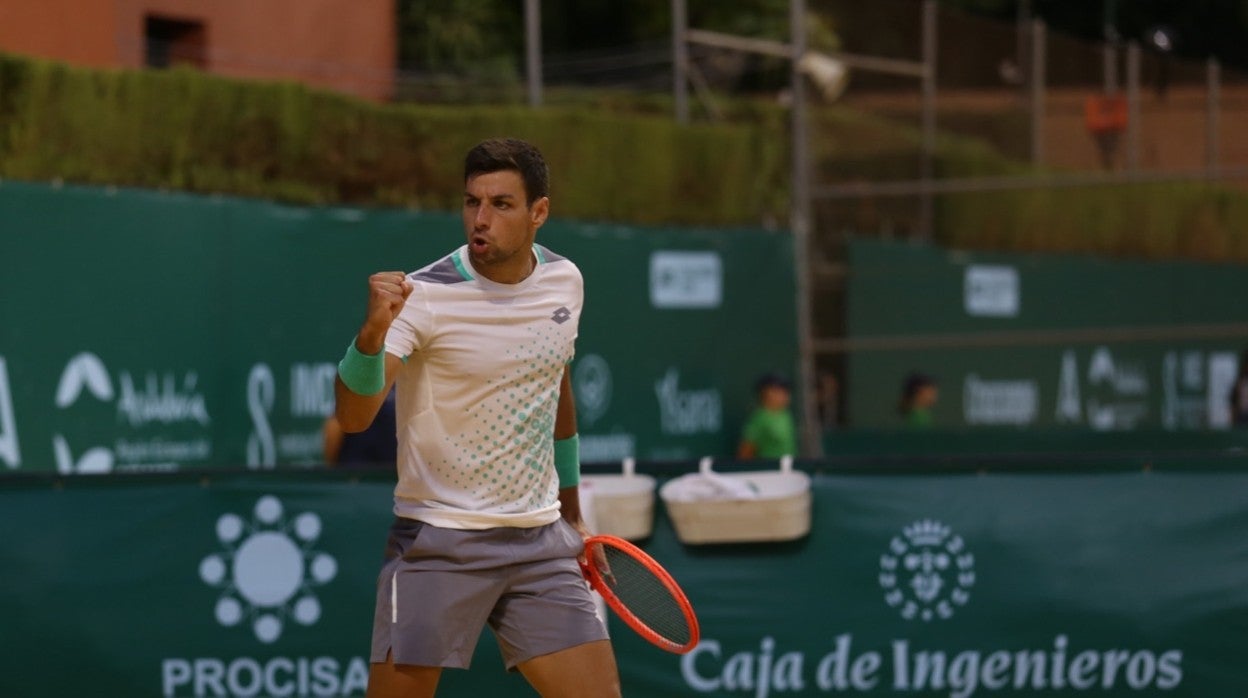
367	372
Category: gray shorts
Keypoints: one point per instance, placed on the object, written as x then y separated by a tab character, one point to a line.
440	586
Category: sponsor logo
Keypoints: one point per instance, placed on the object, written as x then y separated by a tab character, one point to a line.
592	386
10	452
991	291
1014	402
1117	392
927	571
311	400
248	677
561	315
600	448
685	412
266	576
1183	390
1195	388
162	399
1223	369
686	279
843	666
83	372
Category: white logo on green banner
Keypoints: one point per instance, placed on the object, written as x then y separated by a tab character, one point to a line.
927	571
686	279
591	380
265	575
84	370
146	407
991	290
687	411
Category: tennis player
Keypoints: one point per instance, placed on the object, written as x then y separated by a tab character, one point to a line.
487	522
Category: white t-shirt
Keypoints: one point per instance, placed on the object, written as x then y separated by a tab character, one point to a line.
477	395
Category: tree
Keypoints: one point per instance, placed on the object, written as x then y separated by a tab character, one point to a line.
1202	28
455	36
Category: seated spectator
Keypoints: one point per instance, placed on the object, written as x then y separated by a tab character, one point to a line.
769	431
918	397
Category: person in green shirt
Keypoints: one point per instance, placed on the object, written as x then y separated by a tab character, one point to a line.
918	397
769	431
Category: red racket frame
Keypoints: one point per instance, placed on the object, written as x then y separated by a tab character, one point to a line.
596	581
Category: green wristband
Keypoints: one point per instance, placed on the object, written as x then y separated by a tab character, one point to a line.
363	374
568	461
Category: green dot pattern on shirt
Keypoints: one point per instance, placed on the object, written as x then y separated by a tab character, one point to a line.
510	454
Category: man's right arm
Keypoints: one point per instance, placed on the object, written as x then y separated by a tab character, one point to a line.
387	292
355	412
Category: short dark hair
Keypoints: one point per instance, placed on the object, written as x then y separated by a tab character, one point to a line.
771	380
915	382
499	154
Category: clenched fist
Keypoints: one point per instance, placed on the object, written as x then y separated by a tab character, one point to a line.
387	292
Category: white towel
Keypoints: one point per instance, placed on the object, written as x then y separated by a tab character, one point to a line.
709	486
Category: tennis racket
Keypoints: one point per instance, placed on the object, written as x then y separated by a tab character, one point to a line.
641	593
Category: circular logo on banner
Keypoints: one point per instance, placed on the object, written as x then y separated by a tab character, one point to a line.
265	576
591	384
85	371
927	571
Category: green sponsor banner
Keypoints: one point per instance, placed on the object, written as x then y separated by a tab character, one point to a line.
1113	584
144	331
1011	338
1120	583
1101	387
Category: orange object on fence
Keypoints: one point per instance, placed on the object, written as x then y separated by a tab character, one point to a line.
1106	114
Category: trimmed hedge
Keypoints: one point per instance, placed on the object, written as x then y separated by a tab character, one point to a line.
1170	220
186	130
182	129
1192	220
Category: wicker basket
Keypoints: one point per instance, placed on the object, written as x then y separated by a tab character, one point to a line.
623	505
777	509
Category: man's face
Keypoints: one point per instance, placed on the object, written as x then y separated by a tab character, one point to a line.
498	223
775	397
926	396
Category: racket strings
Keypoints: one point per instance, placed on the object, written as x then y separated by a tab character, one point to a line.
645	595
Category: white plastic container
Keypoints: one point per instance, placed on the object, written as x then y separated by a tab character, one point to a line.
765	505
623	505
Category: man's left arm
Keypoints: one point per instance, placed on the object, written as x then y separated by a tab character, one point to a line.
567	454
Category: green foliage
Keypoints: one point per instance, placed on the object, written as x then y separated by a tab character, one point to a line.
454	34
611	159
1152	220
1149	221
461	52
186	130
